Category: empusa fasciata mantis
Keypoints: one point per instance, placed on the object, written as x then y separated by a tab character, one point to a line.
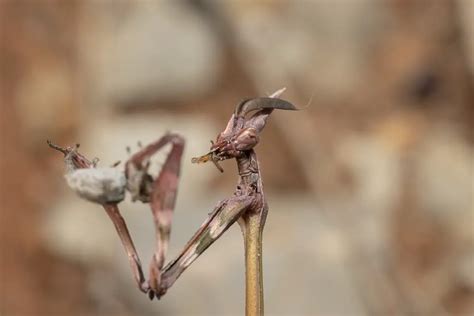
247	205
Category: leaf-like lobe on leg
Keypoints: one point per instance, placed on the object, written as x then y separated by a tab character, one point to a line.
224	215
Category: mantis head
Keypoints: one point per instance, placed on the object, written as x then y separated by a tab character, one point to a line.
243	129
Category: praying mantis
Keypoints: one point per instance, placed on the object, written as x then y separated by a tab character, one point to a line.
247	205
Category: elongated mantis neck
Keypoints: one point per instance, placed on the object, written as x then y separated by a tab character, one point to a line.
251	224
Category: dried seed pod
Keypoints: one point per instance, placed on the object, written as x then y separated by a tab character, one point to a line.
99	185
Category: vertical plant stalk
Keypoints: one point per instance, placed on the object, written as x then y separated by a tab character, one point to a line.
252	223
252	229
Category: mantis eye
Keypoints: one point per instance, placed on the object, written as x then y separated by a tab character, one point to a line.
247	139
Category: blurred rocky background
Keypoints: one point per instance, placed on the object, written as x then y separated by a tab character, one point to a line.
370	187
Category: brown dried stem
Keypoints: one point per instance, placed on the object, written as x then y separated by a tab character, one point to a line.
252	228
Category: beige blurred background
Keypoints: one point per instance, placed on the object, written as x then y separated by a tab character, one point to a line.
370	188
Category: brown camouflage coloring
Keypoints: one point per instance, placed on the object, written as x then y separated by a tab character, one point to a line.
247	205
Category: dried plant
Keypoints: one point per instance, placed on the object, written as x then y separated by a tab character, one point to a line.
247	205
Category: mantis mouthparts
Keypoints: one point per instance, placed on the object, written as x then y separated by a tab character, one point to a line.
210	156
202	159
